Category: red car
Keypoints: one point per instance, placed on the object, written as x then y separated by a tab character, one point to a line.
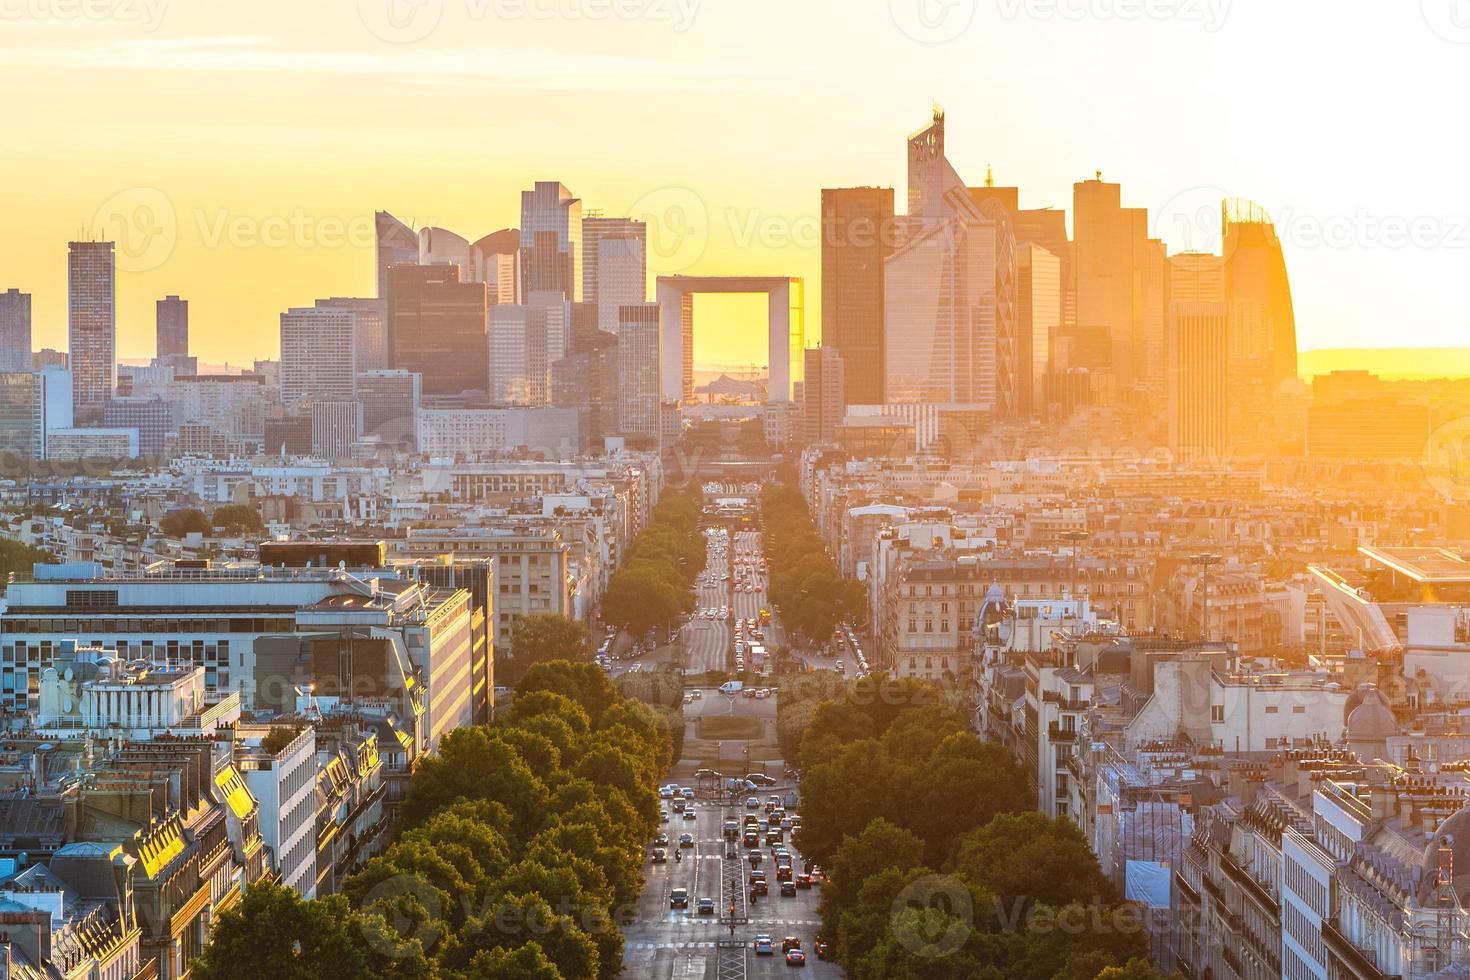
795	957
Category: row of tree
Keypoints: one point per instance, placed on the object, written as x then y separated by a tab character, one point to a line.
518	850
652	586
805	585
230	518
938	866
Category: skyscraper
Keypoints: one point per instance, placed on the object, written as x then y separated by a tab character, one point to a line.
638	369
507	355
1263	355
335	426
15	330
437	328
439	246
823	399
858	234
548	338
950	293
390	401
372	328
1198	419
92	322
397	244
614	266
502	252
551	241
172	327
318	355
1109	255
1039	315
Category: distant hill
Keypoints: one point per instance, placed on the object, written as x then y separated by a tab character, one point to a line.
1388	362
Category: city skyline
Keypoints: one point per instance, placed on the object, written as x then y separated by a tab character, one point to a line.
1220	140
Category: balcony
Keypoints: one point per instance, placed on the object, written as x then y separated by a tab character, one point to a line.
1359	960
1056	733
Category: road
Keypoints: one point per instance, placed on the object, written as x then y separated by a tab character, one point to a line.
707	641
664	943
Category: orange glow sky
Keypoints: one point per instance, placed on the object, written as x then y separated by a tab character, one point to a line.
246	146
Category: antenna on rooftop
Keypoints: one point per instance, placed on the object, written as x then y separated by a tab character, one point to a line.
989	176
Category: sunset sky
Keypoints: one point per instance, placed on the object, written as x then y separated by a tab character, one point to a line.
246	146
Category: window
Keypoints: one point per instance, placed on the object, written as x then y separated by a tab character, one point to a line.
1217	713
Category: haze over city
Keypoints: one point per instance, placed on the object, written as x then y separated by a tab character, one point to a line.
697	490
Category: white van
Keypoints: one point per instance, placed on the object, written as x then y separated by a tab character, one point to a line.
731	687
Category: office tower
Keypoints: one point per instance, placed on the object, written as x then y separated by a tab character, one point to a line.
507	356
398	244
502	253
551	241
32	405
372	329
438	246
15	330
91	321
1198	416
949	293
1118	277
614	266
151	416
1196	277
587	379
437	328
1047	227
1039	318
823	401
318	355
48	357
639	380
390	401
335	426
172	326
1258	290
858	235
548	337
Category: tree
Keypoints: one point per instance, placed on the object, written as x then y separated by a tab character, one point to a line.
18	558
526	962
474	765
275	934
584	683
238	517
1031	858
546	636
178	523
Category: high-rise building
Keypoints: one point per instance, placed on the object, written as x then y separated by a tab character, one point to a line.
92	321
288	435
822	398
32	405
398	244
318	355
639	360
439	246
548	338
1047	227
1039	316
15	330
551	241
587	379
372	328
502	253
1263	322
1198	406
614	266
858	234
507	355
390	401
437	328
950	293
172	327
335	426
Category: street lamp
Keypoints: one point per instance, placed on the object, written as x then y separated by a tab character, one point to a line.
1203	561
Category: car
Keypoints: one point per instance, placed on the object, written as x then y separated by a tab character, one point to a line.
687	793
751	803
660	856
731	830
679	898
663	816
757	876
662	840
697	695
678	804
783	875
706	906
788	889
761	779
763	946
790	943
760	887
803	881
689	814
665	792
686	840
786	823
755	858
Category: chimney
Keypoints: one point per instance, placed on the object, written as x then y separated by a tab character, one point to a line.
1382	800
